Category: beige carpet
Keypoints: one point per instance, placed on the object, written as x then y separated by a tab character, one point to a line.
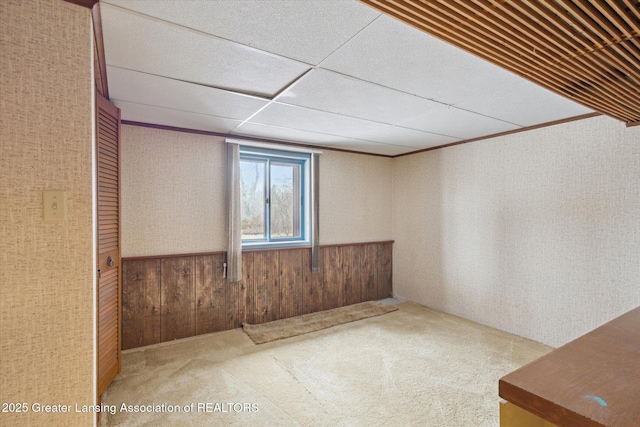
413	366
299	325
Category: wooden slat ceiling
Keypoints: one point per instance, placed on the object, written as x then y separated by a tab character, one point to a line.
588	51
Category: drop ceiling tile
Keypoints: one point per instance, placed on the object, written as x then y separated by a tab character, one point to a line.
459	123
289	116
393	54
318	28
390	86
168	117
333	92
520	101
136	42
141	88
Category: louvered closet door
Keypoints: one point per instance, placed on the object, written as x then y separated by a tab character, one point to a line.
109	277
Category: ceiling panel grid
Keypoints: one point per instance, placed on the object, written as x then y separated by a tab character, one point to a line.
334	73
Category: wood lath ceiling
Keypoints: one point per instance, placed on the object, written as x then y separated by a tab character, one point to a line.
588	51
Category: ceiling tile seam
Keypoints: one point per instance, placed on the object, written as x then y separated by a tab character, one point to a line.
349	39
276	96
220	88
383	86
176	109
196	31
448	105
488	117
366	120
325	134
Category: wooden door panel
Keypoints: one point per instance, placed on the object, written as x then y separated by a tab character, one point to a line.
109	278
108	328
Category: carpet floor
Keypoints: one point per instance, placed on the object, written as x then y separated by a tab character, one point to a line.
413	366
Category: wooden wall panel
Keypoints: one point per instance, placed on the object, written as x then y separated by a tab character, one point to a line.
384	270
178	298
171	297
232	304
266	281
332	289
351	272
312	284
210	295
368	268
140	303
291	267
246	291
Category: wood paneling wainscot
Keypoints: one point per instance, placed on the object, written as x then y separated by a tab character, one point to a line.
178	296
141	302
210	295
178	301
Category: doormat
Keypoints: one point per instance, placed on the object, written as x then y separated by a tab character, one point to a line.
306	323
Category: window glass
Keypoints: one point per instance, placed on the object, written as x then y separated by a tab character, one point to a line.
285	200
275	191
253	194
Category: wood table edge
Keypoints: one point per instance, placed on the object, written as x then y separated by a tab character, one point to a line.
541	407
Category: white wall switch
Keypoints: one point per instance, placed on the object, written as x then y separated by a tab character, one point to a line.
54	205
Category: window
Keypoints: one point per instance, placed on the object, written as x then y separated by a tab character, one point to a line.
274	188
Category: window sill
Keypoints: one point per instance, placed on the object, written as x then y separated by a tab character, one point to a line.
276	245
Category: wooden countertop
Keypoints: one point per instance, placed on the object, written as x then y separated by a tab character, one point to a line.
591	381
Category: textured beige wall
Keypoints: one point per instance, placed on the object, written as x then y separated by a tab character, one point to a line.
173	194
355	198
536	233
46	271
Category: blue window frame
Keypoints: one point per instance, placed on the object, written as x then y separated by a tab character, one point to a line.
274	187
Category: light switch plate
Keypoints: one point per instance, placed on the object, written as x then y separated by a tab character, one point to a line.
54	205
